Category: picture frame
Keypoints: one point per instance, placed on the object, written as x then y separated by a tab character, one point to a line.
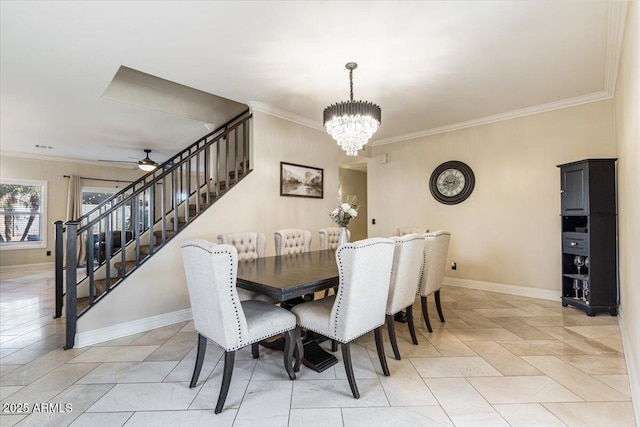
301	181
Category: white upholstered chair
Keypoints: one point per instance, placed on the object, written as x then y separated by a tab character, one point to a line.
436	247
329	240
250	245
364	269
220	316
329	237
405	277
409	230
292	241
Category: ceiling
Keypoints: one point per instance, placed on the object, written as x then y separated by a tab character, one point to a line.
431	66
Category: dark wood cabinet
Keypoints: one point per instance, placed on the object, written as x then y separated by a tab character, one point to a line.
589	235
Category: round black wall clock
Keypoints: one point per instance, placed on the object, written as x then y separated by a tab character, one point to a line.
452	182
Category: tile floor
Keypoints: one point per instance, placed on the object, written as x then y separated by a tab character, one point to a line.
498	360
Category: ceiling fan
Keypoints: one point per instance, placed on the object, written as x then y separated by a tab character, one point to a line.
145	164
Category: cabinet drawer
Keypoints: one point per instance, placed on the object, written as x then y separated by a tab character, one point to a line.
575	243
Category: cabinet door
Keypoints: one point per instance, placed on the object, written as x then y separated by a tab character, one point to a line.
575	189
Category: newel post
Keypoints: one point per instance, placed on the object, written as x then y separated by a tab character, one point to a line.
59	266
72	266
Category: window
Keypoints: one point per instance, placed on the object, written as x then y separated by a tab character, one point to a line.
93	196
23	214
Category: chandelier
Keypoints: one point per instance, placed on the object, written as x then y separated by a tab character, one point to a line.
352	123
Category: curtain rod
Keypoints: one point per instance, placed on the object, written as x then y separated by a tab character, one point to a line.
98	179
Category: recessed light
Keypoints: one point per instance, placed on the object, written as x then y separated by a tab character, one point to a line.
44	147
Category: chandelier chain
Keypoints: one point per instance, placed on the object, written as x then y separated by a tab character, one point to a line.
351	82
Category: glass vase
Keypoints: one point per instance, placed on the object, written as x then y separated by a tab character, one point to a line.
343	237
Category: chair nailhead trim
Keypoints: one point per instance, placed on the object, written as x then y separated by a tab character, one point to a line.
231	284
340	272
238	347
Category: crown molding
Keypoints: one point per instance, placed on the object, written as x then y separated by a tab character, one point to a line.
276	112
542	108
62	159
570	102
615	36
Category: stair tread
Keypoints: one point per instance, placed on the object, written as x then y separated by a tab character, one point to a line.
158	233
101	284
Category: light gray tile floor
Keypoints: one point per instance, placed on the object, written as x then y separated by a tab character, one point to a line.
498	360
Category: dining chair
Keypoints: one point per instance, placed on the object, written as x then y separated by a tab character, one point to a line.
329	240
364	270
250	246
329	237
409	230
408	257
292	241
219	315
436	247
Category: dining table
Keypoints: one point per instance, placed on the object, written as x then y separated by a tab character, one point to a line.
290	279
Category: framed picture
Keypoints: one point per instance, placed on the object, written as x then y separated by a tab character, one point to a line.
301	181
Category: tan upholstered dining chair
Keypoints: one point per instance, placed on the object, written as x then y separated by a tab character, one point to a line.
220	316
409	230
250	245
292	241
329	237
364	269
436	247
405	277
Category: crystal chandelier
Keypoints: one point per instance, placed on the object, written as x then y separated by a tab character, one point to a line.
352	123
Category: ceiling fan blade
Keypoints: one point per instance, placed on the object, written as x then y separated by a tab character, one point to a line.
117	161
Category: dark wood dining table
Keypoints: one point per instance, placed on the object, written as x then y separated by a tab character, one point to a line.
284	277
290	277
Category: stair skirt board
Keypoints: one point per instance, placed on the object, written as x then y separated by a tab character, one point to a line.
502	288
120	330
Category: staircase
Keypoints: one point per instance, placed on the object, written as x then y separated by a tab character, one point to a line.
145	216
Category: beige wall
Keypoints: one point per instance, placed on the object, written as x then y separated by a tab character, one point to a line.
508	230
52	172
254	204
354	183
628	141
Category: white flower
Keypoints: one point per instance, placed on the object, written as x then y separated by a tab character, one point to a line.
345	211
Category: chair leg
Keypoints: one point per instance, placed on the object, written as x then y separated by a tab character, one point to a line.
255	350
346	359
438	306
334	345
229	357
380	347
425	313
202	348
289	344
412	328
299	350
392	336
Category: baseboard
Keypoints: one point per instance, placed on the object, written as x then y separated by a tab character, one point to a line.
120	330
41	265
633	364
504	289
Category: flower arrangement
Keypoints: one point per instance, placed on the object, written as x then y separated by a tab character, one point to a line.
347	210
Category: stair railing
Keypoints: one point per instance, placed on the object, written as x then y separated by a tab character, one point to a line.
133	223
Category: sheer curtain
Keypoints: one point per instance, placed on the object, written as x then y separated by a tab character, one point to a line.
74	209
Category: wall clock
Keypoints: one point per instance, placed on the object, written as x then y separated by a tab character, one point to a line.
452	182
